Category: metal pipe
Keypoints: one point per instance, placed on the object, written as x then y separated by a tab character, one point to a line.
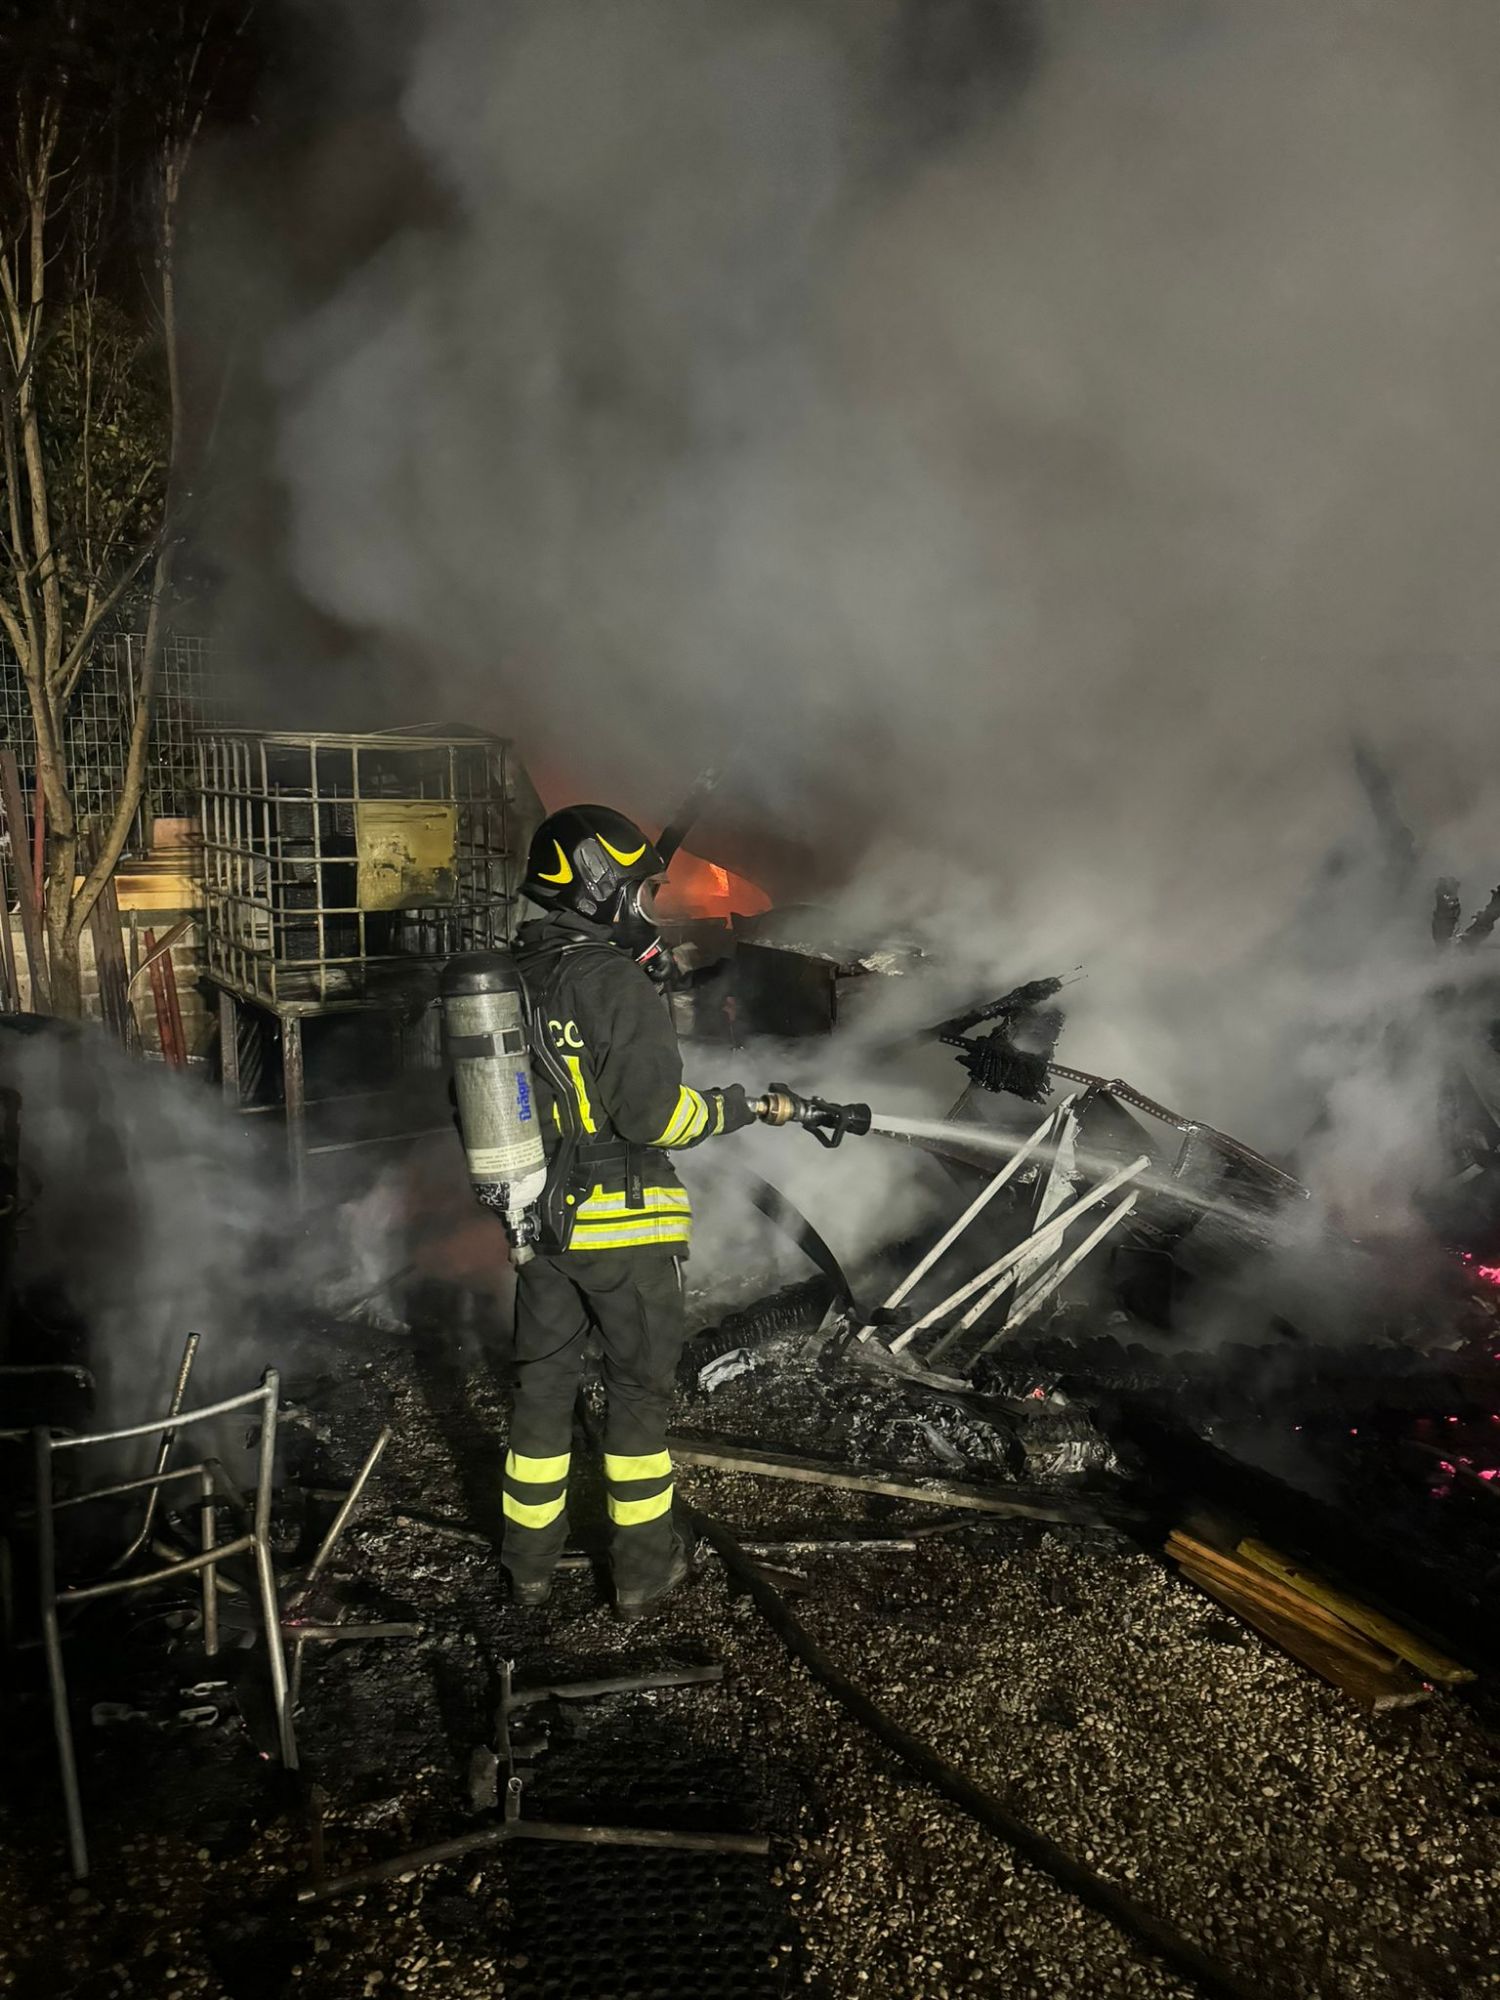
951	1235
62	1727
172	1551
330	1634
671	1677
80	1375
341	1519
671	837
208	1532
1037	1290
1052	1281
379	1139
147	1479
832	1545
230	1403
269	1609
518	1829
163	1452
640	1836
116	1586
1048	1233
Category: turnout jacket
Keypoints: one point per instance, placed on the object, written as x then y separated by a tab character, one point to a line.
608	1040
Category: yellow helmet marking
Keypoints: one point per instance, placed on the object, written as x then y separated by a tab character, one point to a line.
564	873
625	860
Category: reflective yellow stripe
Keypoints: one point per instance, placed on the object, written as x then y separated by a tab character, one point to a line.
580	1091
556	1115
537	1471
654	1465
699	1119
615	1203
564	873
527	1516
606	1222
631	1236
631	1513
718	1112
625	860
682	1111
687	1120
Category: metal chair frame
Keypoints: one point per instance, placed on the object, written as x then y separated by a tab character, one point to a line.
254	1540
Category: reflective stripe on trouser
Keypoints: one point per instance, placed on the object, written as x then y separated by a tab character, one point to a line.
634	1297
536	1489
638	1487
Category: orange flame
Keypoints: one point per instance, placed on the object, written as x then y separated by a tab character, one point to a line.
696	888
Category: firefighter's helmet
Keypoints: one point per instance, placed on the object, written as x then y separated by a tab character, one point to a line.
600	865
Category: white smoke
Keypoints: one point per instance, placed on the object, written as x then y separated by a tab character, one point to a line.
1038	500
148	1212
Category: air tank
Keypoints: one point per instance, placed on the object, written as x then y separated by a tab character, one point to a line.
484	1015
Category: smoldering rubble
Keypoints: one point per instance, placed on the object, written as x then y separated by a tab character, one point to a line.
1055	450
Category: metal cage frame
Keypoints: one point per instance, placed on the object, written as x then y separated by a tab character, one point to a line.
283	924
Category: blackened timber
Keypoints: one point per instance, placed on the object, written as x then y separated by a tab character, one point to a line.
1023	1503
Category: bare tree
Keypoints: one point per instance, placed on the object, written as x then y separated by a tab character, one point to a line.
91	401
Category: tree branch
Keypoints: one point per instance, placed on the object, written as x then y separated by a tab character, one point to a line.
76	658
29	652
36	167
113	844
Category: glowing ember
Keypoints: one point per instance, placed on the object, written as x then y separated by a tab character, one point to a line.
1489	1274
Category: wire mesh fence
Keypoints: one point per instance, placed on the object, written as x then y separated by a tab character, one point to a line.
100	719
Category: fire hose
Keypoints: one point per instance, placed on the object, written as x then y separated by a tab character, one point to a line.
1160	1939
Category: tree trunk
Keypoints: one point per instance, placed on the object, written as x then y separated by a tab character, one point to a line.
65	966
65	975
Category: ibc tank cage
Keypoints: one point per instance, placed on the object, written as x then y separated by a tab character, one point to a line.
338	871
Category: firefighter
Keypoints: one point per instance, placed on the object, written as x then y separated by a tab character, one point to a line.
614	1109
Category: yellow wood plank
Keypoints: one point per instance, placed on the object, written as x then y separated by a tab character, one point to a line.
1293	1610
1384	1631
1375	1687
1277	1597
168	890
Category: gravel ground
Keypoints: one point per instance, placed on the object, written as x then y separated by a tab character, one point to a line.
1322	1852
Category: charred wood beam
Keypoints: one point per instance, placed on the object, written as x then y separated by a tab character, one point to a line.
717	1456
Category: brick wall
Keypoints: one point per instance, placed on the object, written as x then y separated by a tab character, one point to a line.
199	1015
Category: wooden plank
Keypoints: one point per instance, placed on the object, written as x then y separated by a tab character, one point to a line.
174	1007
171	1053
8	945
167	889
1293	1610
721	1457
39	839
23	879
1427	1660
110	964
1374	1687
1238	1575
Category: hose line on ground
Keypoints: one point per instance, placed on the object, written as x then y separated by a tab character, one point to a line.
1154	1936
